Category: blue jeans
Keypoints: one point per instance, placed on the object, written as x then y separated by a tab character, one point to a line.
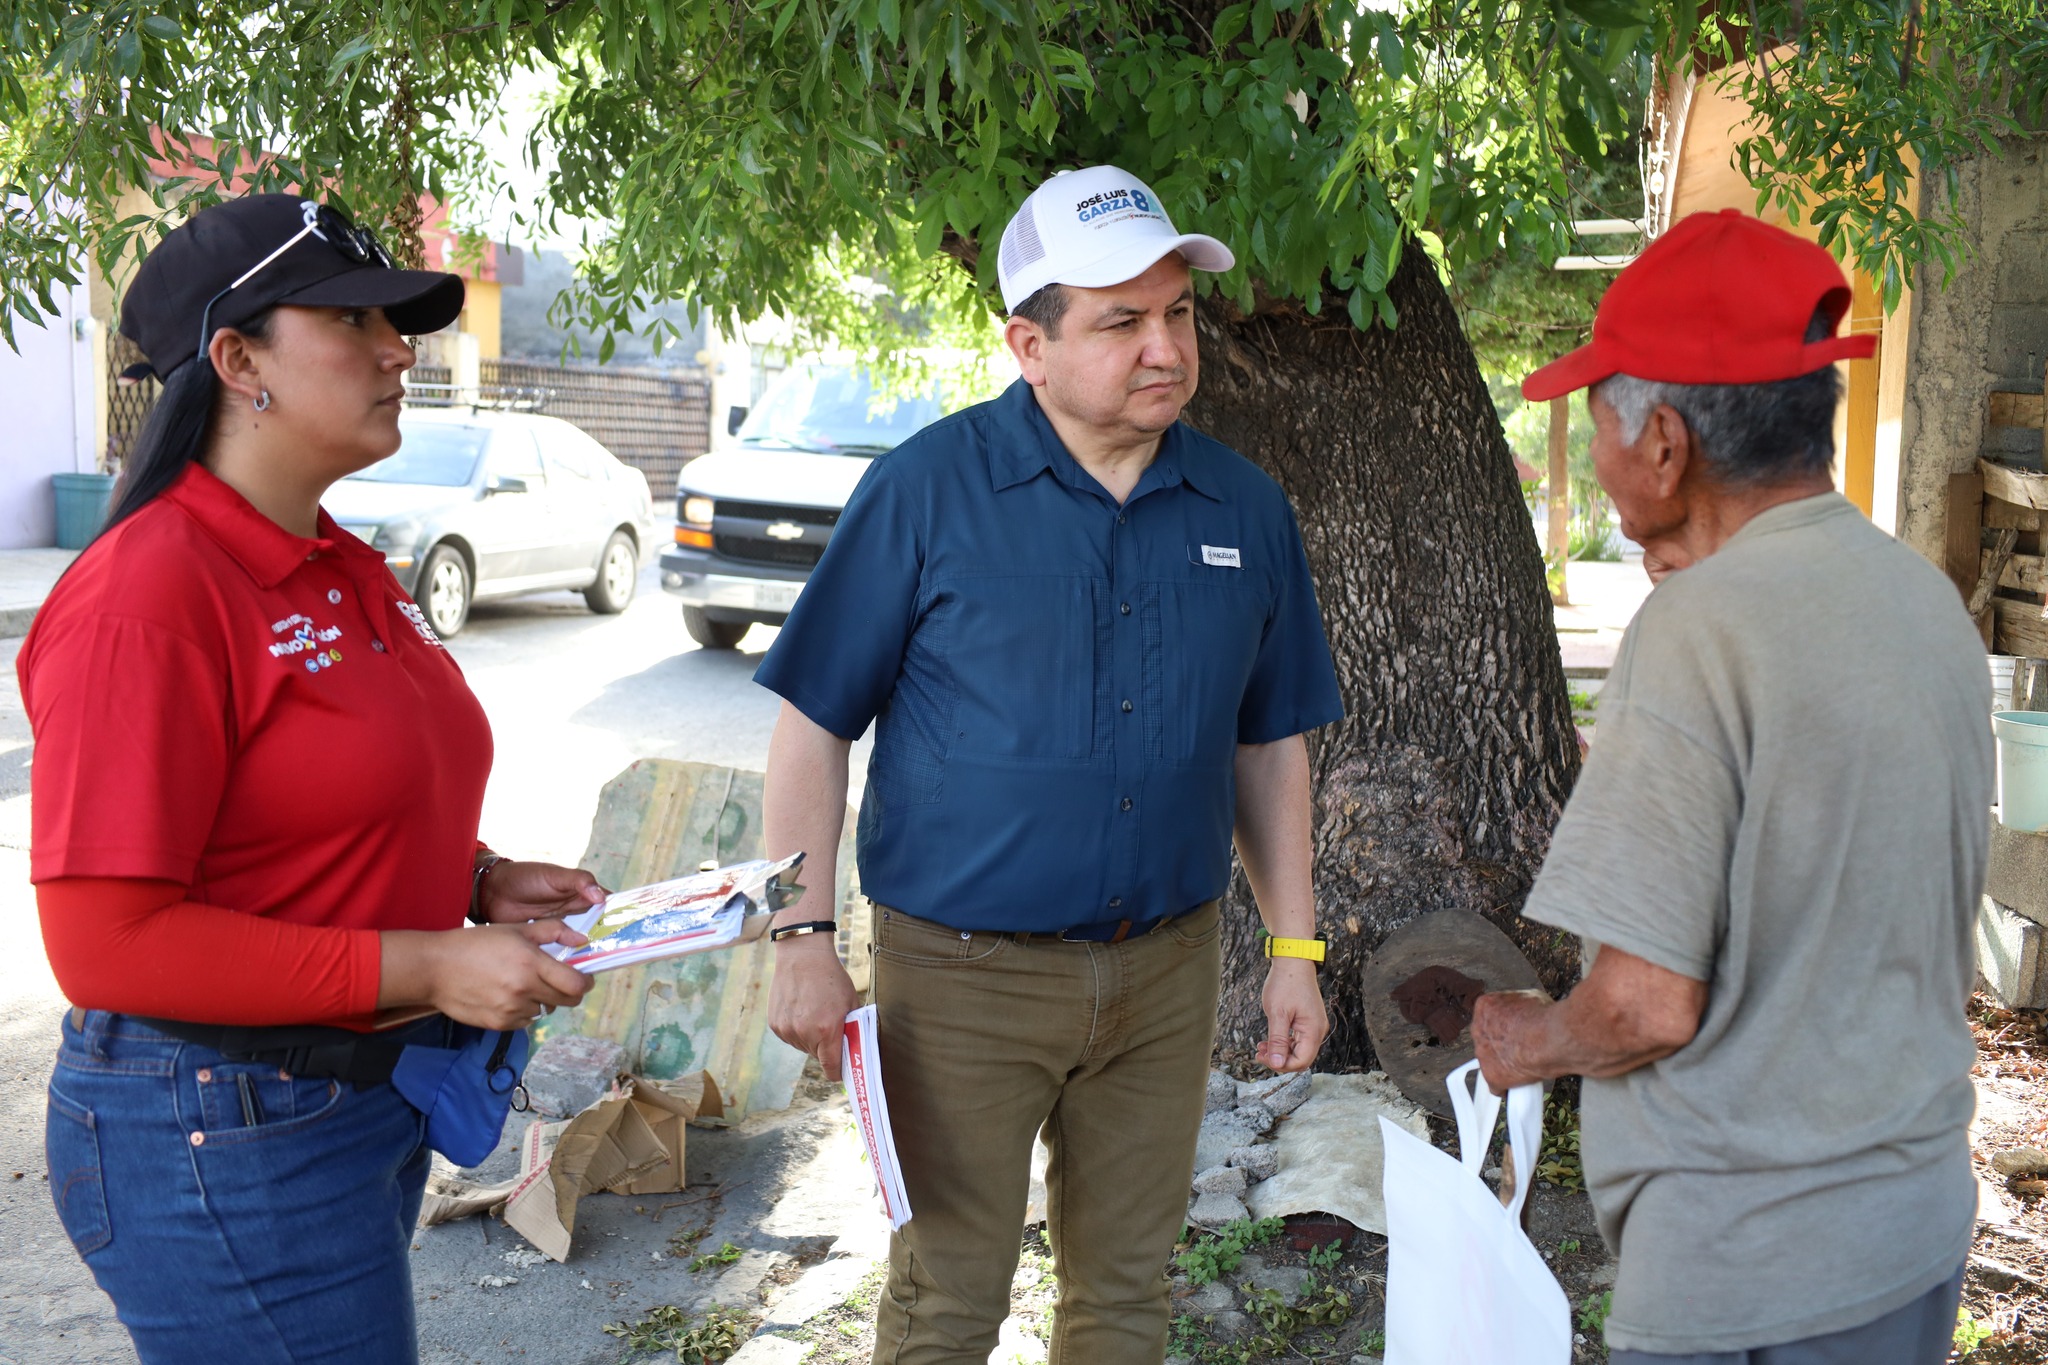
234	1213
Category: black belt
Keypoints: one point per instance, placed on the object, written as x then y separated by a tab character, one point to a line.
309	1050
1102	931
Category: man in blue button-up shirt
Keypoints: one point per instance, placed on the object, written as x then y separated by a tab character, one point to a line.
1087	637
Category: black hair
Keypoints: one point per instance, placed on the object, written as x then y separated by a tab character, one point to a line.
177	431
1750	434
1045	307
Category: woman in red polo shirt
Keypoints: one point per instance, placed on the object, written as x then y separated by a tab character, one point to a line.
256	789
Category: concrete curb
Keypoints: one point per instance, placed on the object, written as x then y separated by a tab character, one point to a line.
817	1291
15	621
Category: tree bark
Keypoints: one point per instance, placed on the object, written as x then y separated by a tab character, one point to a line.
1442	783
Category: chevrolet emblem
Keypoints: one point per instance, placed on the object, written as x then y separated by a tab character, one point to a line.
783	530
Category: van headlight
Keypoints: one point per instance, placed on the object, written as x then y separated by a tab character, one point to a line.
697	511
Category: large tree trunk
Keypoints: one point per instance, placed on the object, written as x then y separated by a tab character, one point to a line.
1441	785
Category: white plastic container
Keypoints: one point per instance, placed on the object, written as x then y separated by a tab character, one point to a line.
2022	769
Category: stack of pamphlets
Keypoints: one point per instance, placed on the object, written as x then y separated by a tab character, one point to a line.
861	1071
690	914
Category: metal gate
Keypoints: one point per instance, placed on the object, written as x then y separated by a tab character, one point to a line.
655	420
129	401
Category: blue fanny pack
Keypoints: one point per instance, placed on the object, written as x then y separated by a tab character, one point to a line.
466	1090
464	1083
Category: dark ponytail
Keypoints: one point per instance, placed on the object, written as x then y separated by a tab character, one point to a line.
177	430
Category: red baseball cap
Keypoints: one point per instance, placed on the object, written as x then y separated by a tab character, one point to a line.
1722	298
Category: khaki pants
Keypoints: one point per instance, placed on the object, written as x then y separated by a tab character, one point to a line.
985	1040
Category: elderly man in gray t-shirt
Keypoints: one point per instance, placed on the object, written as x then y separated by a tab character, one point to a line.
1774	852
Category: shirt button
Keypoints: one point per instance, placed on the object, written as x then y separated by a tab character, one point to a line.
1121	518
1127	705
1116	902
334	596
377	645
313	556
1126	804
1124	607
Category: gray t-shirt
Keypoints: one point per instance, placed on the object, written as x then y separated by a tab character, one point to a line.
1788	799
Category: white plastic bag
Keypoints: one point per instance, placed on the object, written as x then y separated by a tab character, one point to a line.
1464	1285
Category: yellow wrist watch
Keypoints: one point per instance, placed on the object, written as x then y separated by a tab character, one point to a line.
1310	948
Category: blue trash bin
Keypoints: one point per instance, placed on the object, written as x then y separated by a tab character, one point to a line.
81	507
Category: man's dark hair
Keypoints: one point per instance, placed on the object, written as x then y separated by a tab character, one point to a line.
1046	308
1751	434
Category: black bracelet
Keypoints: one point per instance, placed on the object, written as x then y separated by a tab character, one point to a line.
816	926
476	886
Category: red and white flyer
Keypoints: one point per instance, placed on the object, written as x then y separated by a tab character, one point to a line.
861	1073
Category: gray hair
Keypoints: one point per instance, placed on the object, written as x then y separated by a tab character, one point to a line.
1750	433
1045	307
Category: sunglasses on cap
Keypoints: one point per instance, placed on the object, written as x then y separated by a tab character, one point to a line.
357	244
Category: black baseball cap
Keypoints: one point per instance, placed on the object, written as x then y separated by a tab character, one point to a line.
234	260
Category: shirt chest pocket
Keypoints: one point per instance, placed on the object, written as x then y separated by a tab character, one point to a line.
1201	641
1022	652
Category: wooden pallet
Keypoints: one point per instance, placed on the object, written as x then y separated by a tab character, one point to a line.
1996	553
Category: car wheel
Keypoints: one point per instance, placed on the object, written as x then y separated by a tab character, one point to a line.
713	634
444	590
618	572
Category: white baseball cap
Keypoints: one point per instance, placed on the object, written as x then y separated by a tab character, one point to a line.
1090	228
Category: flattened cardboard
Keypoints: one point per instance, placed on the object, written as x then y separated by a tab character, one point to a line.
630	1142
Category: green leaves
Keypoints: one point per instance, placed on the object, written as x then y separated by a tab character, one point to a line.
758	155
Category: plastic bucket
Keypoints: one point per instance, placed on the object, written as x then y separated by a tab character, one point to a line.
2022	768
81	507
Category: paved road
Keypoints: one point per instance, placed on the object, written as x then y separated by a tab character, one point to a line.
573	698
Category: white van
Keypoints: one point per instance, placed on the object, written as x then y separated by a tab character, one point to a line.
751	521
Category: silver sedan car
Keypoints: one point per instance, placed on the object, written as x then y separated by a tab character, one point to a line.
480	504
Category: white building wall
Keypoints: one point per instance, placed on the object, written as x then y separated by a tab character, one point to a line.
48	408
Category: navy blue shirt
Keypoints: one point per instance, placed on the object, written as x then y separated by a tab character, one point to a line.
1060	683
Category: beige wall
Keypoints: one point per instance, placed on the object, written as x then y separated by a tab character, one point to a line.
482	316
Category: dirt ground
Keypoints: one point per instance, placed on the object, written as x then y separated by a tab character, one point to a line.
2006	1289
1279	1297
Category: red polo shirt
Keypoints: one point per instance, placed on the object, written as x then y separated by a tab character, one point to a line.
265	720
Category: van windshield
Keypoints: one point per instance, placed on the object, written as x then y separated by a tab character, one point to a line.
834	410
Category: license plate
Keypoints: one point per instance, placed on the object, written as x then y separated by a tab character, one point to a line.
776	596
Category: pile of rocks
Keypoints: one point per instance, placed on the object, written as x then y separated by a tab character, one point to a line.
1232	1152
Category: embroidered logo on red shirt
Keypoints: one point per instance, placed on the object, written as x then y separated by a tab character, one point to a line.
309	642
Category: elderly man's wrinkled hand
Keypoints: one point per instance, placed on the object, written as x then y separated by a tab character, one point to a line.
1507	1028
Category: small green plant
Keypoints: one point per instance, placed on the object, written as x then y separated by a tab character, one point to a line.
1560	1164
1593	1313
1321	1306
725	1255
1373	1343
1553	575
1970	1333
1212	1256
669	1330
1584	703
1323	1258
683	1241
1188	1337
1568	1246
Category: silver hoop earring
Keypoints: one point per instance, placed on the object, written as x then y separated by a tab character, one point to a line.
261	402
